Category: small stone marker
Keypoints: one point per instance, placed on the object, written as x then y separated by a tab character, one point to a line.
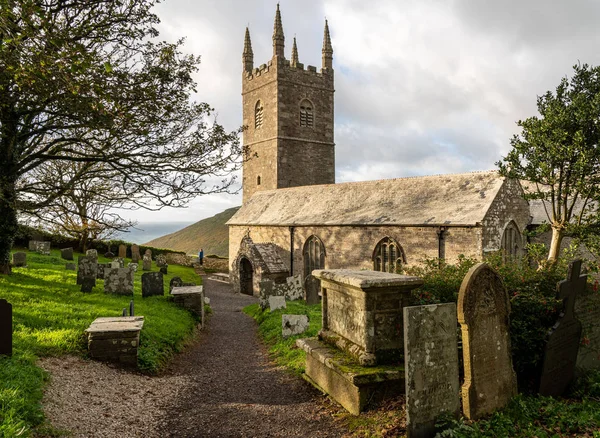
313	286
483	313
124	313
164	269
19	259
431	366
175	282
5	328
562	344
293	325
276	303
152	284
147	263
131	309
207	300
67	253
70	266
122	251
87	284
265	288
118	281
133	266
135	253
40	247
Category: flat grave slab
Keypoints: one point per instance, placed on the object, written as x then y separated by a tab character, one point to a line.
115	339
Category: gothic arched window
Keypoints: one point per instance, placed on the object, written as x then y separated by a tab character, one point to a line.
388	256
307	117
258	115
511	242
313	255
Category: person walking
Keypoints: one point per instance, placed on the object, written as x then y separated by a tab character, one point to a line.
201	257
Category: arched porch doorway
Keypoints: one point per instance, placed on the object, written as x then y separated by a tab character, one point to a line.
246	277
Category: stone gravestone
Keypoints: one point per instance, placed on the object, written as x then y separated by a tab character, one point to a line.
5	328
88	268
122	251
312	285
175	282
87	284
135	253
109	254
101	268
265	291
295	290
92	253
161	260
67	253
148	253
119	281
70	266
119	260
147	263
164	269
133	266
115	264
562	343
276	303
483	313
19	259
293	325
431	366
152	284
43	248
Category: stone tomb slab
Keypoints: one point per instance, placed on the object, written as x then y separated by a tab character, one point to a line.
431	364
352	386
562	343
191	298
483	313
6	328
115	339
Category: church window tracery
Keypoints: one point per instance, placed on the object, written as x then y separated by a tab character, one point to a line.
511	242
313	255
258	115
388	256
307	116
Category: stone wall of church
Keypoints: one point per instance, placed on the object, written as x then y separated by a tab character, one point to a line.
352	247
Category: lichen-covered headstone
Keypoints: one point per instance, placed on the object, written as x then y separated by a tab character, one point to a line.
483	313
20	259
122	251
293	325
120	261
148	253
101	268
431	366
135	253
92	253
276	303
88	268
152	284
43	248
119	281
312	285
67	253
562	344
161	260
5	328
295	291
147	263
175	282
133	266
265	291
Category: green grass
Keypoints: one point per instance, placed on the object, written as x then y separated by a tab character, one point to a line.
50	315
284	351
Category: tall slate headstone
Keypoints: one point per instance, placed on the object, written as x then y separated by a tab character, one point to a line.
122	251
152	284
312	285
67	253
562	343
135	253
483	313
431	366
20	259
5	328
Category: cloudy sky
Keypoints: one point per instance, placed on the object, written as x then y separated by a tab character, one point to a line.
422	86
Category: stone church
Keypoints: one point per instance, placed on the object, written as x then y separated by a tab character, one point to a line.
295	219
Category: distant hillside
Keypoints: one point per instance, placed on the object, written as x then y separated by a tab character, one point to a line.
211	234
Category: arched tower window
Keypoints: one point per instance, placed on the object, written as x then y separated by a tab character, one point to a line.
388	256
258	115
313	255
307	117
511	242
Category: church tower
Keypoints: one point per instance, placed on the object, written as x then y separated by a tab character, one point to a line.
288	114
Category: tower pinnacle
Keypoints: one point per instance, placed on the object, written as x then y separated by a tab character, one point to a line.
278	37
327	59
294	61
248	55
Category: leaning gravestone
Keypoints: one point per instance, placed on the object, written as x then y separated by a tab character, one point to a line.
562	344
431	366
483	313
67	253
152	284
135	253
119	281
122	251
19	259
313	286
5	328
147	263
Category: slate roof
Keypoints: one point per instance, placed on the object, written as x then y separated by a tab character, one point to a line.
458	199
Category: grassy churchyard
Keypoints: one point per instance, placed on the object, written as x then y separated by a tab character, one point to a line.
50	315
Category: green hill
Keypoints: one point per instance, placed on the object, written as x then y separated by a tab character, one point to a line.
211	234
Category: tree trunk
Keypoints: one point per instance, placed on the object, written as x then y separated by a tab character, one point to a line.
8	222
557	236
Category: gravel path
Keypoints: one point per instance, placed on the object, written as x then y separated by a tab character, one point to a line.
223	386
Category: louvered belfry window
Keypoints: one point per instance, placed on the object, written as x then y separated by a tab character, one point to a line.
307	117
258	115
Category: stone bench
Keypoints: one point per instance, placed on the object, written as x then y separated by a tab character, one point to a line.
115	339
190	298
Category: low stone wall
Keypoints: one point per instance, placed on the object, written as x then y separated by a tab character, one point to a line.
219	265
180	259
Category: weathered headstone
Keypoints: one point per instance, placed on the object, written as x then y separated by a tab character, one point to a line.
312	285
152	284
295	291
431	366
119	281
265	291
92	253
67	253
109	254
87	284
115	264
70	266
276	303
120	260
20	259
161	260
147	263
164	269
133	266
175	282
293	325
88	268
43	248
135	253
483	313
562	344
148	253
6	328
122	251
101	268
